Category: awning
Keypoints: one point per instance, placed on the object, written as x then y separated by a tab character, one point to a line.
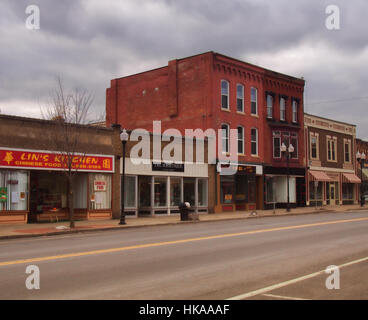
351	178
319	176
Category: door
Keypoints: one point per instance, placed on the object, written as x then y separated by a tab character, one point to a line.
332	194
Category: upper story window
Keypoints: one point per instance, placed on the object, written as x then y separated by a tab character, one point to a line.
314	146
239	98
240	140
254	141
225	137
347	150
269	106
225	94
295	111
253	101
282	109
331	148
276	144
294	142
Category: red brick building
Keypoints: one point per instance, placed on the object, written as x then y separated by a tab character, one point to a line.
213	91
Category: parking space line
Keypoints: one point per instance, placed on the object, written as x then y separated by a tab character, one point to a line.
289	282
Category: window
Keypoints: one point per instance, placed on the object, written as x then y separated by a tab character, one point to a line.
189	191
269	106
100	198
224	94
282	109
314	148
295	111
129	191
160	192
239	98
294	142
347	153
202	192
226	189
240	140
331	148
13	190
175	191
254	141
276	144
253	101
347	191
225	138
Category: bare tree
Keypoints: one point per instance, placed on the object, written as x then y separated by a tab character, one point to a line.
69	111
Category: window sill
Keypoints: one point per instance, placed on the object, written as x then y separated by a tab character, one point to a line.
254	155
241	112
254	115
226	110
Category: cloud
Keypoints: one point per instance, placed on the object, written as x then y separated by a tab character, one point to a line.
90	42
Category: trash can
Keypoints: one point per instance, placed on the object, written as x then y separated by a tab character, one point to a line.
184	211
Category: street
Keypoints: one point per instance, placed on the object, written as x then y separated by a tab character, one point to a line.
261	258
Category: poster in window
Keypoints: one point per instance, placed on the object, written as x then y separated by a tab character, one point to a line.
3	194
99	185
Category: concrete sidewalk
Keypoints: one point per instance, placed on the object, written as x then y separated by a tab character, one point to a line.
46	229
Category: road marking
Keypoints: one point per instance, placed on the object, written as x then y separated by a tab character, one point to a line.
283	297
289	282
159	244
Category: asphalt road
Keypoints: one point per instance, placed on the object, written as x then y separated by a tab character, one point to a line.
260	258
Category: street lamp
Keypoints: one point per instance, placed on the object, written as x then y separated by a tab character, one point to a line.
124	136
361	158
288	152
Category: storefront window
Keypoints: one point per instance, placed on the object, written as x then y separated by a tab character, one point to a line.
13	190
100	191
144	187
270	186
160	191
202	192
48	191
312	191
80	191
189	191
227	189
129	192
251	189
241	188
347	191
175	191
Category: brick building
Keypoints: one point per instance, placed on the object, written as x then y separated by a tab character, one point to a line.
213	91
330	149
362	147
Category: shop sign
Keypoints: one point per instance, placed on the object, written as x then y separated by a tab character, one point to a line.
3	194
246	169
171	167
46	160
99	185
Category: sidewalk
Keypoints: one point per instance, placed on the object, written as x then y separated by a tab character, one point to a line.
45	229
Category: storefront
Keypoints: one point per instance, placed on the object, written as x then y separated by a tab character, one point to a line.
34	188
277	191
332	188
239	191
154	189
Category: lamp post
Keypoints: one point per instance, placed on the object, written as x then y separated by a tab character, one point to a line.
361	158
288	152
124	136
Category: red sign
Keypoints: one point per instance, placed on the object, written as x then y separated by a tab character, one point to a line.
47	160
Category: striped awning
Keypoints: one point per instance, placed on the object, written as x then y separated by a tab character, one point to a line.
319	176
351	178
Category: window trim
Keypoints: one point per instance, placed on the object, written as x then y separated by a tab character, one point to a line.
333	141
294	111
251	142
237	140
227	95
242	99
269	107
347	141
284	109
256	101
227	148
276	134
314	135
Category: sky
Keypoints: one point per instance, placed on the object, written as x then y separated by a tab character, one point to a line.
89	42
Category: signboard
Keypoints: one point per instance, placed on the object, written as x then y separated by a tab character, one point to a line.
47	160
246	169
171	167
99	185
3	194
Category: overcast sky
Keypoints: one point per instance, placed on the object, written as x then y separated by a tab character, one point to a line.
90	42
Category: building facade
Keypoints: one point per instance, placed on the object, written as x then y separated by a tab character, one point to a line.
330	147
211	91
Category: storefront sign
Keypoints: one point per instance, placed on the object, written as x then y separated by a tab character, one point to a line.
3	194
99	185
246	169
29	159
172	167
